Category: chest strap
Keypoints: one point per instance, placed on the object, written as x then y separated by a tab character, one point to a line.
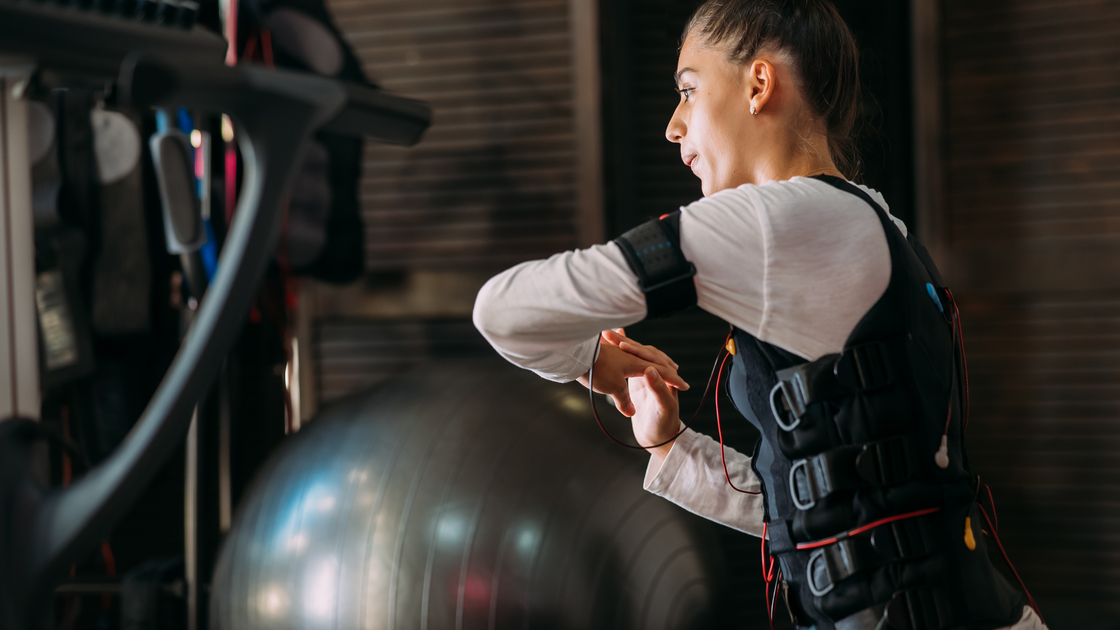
653	251
858	369
906	539
878	464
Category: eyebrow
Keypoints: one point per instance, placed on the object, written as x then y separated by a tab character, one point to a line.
680	73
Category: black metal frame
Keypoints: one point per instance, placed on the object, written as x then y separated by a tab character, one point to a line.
43	531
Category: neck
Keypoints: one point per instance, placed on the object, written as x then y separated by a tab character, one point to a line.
797	157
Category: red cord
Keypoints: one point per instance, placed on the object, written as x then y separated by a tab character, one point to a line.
266	48
859	530
964	358
774	600
992	503
995	537
767	578
250	49
719	428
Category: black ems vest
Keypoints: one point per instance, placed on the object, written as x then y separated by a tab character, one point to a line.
849	440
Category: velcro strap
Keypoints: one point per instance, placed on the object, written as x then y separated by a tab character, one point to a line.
884	463
901	540
653	252
858	369
917	609
923	609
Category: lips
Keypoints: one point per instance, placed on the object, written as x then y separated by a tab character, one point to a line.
688	159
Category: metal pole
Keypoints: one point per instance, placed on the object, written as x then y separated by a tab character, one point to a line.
19	333
191	524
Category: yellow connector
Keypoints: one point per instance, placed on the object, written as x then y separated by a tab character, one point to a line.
969	539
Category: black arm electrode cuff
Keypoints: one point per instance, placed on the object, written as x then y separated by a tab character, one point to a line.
653	251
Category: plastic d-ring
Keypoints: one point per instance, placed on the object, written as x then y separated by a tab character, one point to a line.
778	417
814	558
804	465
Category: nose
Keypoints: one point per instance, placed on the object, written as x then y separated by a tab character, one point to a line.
676	129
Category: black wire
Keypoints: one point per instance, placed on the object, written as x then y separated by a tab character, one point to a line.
639	447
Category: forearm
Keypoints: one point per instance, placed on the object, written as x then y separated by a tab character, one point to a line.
545	315
691	475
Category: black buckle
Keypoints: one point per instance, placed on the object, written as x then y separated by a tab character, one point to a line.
900	540
865	367
916	609
922	609
883	463
859	368
871	618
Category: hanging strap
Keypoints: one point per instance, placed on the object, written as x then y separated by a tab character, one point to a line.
653	251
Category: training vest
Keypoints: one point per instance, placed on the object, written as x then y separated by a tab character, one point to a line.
849	440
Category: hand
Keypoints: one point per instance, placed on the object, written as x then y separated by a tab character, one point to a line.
617	362
657	418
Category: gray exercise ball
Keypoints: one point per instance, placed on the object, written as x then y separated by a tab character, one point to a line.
467	494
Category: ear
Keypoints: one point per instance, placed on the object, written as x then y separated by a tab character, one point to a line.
761	81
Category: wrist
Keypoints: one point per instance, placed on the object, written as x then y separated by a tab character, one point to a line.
662	451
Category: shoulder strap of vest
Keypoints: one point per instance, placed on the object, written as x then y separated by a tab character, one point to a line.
919	249
653	251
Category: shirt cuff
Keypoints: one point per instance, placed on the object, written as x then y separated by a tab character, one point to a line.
692	476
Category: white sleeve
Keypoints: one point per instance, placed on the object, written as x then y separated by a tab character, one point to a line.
691	476
545	315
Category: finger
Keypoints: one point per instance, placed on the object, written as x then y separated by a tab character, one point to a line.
623	403
649	353
611	337
670	377
658	386
637	366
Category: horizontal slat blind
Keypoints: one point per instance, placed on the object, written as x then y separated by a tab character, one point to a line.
355	354
492	182
1033	101
1045	433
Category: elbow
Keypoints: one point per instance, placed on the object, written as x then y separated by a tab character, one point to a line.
487	313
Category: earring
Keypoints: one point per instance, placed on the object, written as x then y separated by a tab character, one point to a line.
753	110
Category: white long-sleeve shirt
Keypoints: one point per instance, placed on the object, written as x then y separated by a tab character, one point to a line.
796	263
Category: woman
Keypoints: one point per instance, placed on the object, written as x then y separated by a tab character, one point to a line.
846	347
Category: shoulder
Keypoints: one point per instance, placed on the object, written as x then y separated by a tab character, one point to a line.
797	195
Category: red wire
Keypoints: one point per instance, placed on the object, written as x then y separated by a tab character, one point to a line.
992	503
859	530
995	537
250	48
964	358
266	48
719	428
768	578
949	412
773	601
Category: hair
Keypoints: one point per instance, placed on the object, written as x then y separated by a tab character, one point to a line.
815	40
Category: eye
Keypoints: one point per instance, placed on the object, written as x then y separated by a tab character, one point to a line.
685	92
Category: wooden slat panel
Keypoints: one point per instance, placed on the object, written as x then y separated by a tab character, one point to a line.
1032	95
492	182
1045	383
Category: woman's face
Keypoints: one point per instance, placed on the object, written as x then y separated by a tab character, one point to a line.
712	122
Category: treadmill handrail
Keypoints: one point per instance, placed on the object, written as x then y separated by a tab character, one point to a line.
275	112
